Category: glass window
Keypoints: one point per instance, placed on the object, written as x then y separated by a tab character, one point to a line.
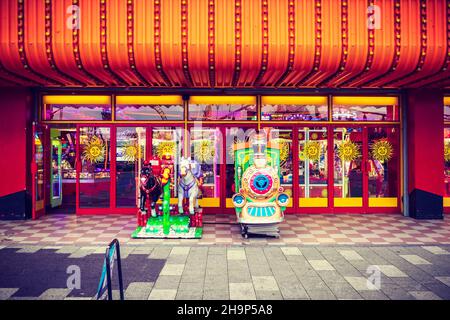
75	108
39	177
162	108
58	112
203	108
234	135
383	162
446	108
294	108
365	109
447	161
149	112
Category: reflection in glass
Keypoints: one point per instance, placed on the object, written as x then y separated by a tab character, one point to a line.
383	162
283	137
172	138
234	135
205	112
447	113
77	112
205	147
348	174
447	161
365	113
149	112
130	155
294	112
313	166
39	178
95	155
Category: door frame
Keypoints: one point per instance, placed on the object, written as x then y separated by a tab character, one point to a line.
37	211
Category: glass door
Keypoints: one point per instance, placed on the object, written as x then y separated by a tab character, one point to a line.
94	168
37	172
130	155
233	135
167	140
313	177
283	138
366	168
349	169
383	166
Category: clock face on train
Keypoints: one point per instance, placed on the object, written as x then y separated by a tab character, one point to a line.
261	183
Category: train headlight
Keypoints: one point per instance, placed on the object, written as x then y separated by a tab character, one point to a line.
239	200
282	199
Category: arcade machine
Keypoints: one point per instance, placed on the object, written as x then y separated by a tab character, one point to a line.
261	200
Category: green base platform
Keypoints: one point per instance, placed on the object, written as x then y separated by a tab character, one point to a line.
179	228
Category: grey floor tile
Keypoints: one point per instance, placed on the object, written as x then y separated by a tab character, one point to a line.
138	291
268	295
214	294
324	294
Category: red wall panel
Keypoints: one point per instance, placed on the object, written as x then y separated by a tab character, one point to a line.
15	108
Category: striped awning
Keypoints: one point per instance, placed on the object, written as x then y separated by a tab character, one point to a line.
225	43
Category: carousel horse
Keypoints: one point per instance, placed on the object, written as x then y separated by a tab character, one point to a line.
150	187
190	174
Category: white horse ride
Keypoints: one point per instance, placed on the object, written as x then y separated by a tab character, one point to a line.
189	172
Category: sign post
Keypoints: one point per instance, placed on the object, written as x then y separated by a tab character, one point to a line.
112	253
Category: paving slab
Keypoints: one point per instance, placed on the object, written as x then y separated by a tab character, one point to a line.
163	294
436	250
321	265
6	293
414	259
242	291
54	294
424	295
138	290
350	255
172	269
361	283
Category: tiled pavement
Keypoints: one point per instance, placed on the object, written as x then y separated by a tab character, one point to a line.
375	229
317	257
233	272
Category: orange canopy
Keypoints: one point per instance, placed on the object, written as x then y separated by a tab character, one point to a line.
225	43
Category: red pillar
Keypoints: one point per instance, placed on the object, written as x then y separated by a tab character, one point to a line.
425	125
15	149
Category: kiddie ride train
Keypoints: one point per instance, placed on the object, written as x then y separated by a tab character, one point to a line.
261	200
166	221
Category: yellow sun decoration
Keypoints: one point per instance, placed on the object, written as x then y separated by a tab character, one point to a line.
165	148
284	148
382	150
447	152
204	150
94	150
312	150
131	152
348	151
